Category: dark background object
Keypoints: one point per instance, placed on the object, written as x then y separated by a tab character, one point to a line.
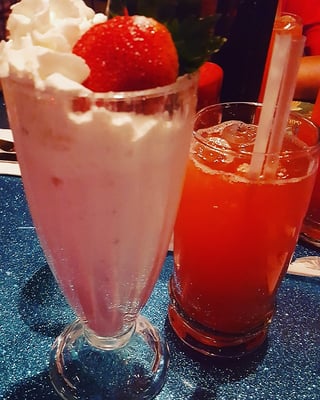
247	25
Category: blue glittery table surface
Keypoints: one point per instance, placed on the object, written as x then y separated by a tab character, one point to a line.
33	313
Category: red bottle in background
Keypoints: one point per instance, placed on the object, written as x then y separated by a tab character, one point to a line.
210	82
316	110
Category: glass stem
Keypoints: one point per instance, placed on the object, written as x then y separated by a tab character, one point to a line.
108	343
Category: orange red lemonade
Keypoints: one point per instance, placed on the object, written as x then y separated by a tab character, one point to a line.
234	238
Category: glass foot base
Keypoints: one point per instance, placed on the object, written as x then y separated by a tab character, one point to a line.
307	239
212	343
310	232
137	370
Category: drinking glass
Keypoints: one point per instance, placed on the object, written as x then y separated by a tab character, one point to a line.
235	234
103	174
310	231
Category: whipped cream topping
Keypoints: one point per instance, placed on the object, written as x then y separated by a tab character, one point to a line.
42	35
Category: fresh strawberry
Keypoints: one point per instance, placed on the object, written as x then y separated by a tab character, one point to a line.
128	53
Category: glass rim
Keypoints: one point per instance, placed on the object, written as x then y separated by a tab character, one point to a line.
183	82
242	152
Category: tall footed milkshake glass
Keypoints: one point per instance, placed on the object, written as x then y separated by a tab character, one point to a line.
235	232
103	176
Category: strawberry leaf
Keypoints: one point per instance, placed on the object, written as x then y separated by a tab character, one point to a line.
192	33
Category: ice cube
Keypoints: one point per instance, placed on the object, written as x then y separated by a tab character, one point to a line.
213	139
238	133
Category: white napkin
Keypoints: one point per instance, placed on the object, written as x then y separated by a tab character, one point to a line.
8	167
305	266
